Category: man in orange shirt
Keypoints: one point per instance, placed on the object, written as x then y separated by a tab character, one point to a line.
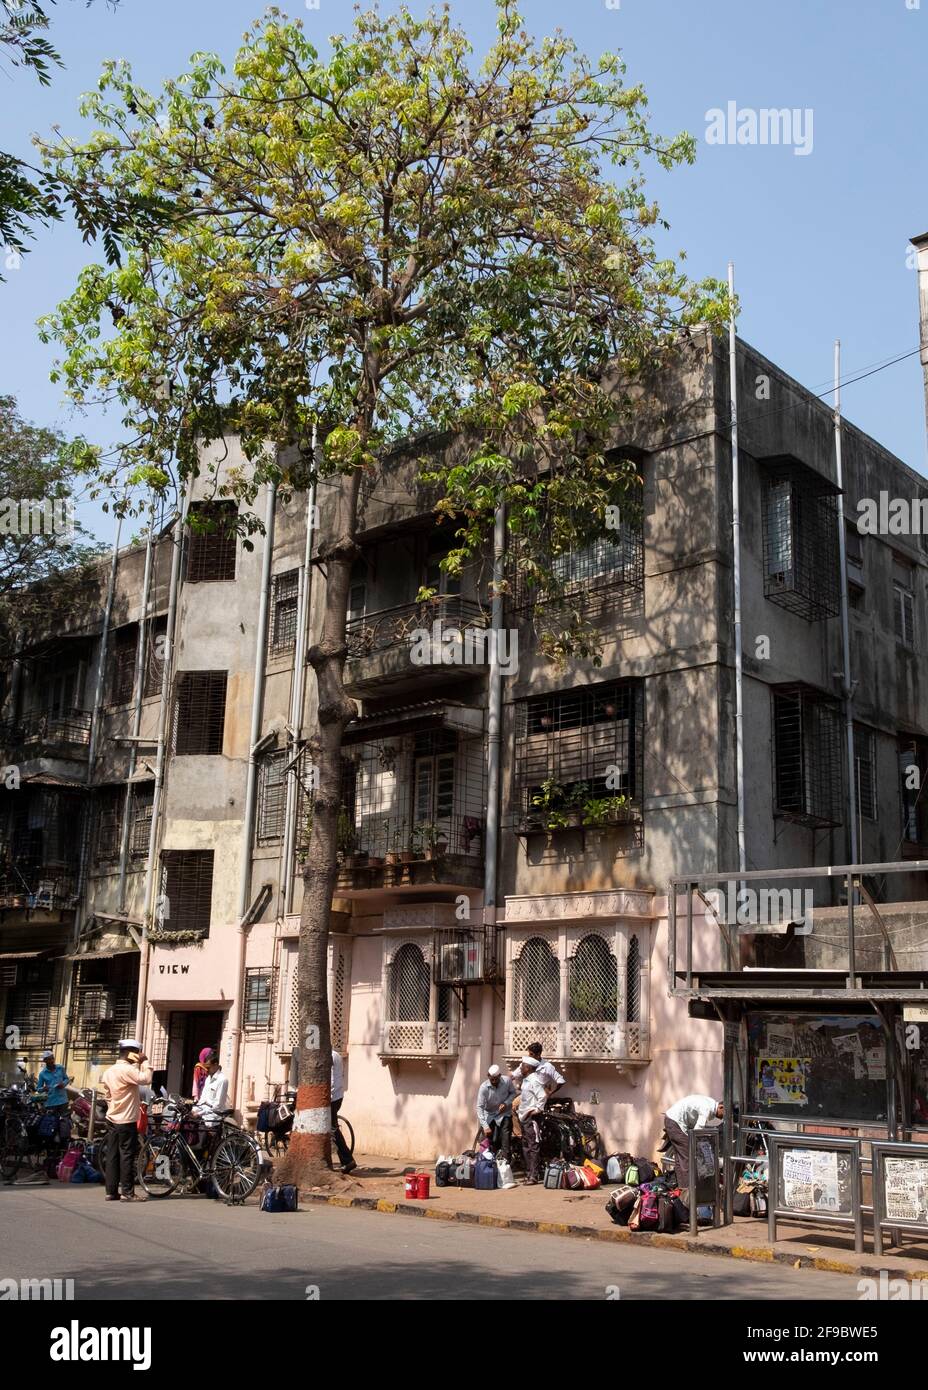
121	1084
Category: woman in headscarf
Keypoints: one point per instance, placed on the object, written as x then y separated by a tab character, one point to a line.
200	1073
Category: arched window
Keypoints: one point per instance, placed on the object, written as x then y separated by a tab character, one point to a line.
592	983
409	985
633	983
537	982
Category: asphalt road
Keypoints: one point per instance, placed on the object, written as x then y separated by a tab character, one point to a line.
195	1248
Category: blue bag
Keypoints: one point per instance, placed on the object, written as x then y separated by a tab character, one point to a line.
284	1198
485	1172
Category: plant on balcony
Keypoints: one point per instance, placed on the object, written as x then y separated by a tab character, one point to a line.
592	1003
599	811
559	807
429	841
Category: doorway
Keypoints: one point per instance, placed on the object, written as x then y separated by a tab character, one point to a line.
190	1031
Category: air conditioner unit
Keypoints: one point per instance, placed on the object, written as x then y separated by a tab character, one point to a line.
462	961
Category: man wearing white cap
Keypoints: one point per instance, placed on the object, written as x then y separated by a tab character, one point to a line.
494	1111
121	1084
532	1100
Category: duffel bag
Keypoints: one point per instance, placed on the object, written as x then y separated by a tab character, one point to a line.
620	1204
574	1177
666	1215
444	1173
284	1198
556	1174
464	1173
616	1166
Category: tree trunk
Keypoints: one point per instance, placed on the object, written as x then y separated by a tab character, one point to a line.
309	1158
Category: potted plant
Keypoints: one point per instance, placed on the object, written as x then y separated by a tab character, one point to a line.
345	840
393	853
552	803
599	811
426	838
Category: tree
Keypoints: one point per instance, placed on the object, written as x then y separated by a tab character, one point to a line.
44	554
386	242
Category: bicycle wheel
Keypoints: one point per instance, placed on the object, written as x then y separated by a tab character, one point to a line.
276	1142
160	1168
236	1166
14	1141
347	1133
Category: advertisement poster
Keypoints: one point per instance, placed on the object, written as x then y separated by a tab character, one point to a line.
782	1080
905	1189
809	1181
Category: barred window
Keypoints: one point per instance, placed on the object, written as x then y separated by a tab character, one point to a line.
156	639
143	796
913	778
904	616
284	607
865	766
258	1006
592	983
108	822
122	670
211	542
200	712
186	890
272	796
410	985
801	570
536	982
807	758
633	982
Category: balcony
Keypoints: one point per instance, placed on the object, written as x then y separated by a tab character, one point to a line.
386	649
30	889
64	734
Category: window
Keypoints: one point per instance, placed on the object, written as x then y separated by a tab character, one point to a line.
602	1011
109	822
284	606
156	640
807	756
122	671
211	542
272	796
575	746
143	797
434	576
854	544
865	772
800	536
434	784
913	771
904	603
258	1006
420	1018
186	891
200	712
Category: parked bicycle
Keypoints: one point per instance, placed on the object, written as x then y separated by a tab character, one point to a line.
279	1118
565	1134
30	1135
171	1154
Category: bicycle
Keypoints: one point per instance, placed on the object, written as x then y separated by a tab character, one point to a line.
232	1160
30	1134
276	1140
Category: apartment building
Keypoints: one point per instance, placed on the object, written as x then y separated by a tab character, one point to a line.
614	777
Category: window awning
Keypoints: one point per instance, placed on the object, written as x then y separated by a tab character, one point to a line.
103	955
22	955
410	719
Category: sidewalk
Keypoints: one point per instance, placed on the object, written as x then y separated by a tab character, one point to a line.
377	1185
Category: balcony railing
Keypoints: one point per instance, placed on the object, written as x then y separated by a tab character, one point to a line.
404	1038
53	892
68	727
581	1041
390	627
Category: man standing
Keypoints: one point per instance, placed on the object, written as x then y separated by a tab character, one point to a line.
121	1084
692	1112
338	1095
53	1080
531	1106
494	1111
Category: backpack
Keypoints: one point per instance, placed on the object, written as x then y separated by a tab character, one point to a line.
616	1166
620	1204
464	1172
485	1173
68	1164
631	1175
704	1215
444	1173
556	1174
666	1214
681	1209
590	1176
649	1212
47	1126
646	1170
284	1198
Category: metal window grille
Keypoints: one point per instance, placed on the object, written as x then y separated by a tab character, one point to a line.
537	983
35	1013
410	986
122	675
337	1021
913	759
583	744
801	569
212	542
260	992
904	615
272	796
611	558
633	982
807	756
865	765
284	604
108	822
592	983
100	1013
42	833
156	633
143	798
200	712
187	890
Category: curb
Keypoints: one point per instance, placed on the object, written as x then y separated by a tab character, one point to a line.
756	1254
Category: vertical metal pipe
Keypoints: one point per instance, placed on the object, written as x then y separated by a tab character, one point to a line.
138	692
736	563
298	693
167	671
104	647
494	727
845	626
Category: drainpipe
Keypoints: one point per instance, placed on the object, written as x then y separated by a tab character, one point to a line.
921	245
494	726
139	688
736	547
299	686
251	782
167	671
845	627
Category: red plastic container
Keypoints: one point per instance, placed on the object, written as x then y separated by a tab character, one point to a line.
412	1184
422	1185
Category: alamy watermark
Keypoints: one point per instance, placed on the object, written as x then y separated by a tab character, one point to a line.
53	516
767	125
892	516
758	907
469	646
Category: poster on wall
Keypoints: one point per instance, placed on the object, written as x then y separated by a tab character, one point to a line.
817	1064
905	1189
815	1180
782	1080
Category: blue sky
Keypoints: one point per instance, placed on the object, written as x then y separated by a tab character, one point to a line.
819	240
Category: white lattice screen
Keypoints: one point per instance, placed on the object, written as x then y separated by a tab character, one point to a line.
420	1018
